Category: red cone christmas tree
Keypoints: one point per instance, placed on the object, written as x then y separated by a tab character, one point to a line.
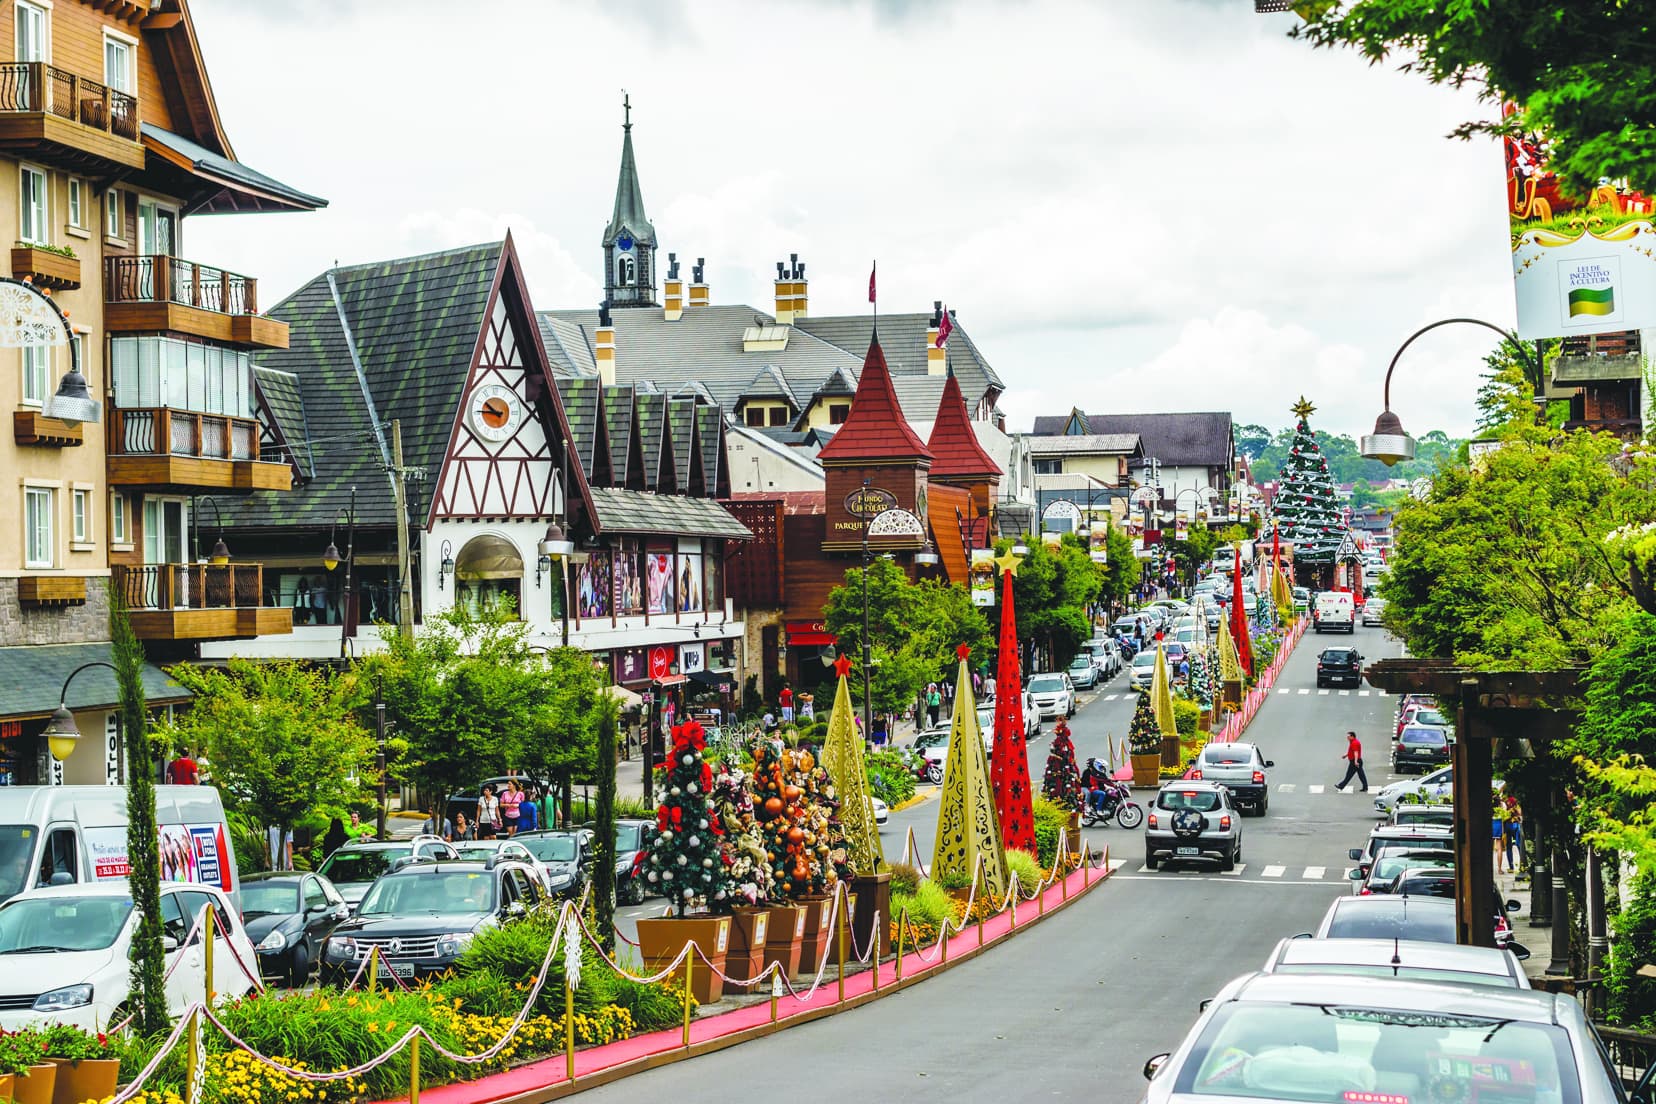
1009	758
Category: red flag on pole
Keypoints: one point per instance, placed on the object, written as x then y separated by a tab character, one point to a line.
945	327
871	274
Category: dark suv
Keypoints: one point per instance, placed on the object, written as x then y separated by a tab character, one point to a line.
1421	747
632	850
1340	665
424	916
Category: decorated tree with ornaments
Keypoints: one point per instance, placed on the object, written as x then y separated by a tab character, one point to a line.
1201	679
687	863
1307	504
793	805
743	849
1062	781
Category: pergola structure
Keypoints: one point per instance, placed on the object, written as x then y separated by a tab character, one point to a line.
1524	709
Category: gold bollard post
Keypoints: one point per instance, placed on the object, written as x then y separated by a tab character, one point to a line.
943	941
414	1070
774	999
192	1040
569	1030
844	949
1086	865
902	928
209	928
373	969
689	965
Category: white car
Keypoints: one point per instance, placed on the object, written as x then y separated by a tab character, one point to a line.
1053	695
65	953
1438	786
881	812
1144	669
497	849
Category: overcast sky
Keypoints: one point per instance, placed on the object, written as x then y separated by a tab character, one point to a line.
1132	206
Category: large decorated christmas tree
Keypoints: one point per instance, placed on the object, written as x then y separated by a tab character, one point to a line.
1307	504
1144	735
1062	781
686	863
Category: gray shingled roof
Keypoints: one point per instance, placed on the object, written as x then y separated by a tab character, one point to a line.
580	403
618	422
919	396
624	511
1085	443
681	421
651	409
903	339
31	677
567	348
710	434
414	323
768	383
287	408
1198	439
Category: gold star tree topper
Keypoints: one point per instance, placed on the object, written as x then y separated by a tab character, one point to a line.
1009	561
1303	409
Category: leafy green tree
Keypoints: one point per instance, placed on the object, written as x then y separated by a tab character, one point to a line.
283	738
1252	439
1121	573
913	630
1194	551
1054	590
1579	71
143	833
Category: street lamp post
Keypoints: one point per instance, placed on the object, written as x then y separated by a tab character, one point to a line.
1389	443
331	560
221	551
867	648
61	732
379	762
556	544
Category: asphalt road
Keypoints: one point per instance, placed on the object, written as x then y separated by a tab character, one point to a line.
1072	1010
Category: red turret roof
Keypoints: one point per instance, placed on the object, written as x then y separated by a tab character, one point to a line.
954	445
875	428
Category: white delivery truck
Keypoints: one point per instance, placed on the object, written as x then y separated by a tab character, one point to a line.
53	835
1334	611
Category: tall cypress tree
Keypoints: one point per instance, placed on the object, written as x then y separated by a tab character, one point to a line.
1307	503
603	870
143	837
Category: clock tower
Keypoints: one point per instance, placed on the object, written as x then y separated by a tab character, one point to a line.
630	240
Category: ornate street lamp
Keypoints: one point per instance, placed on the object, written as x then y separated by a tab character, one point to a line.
29	317
221	551
61	732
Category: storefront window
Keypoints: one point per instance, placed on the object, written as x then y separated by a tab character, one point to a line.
659	580
488	574
713	567
593	589
629	580
689	577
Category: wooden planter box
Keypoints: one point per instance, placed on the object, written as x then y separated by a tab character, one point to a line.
37	1087
1170	751
87	1079
784	937
1147	770
749	928
1072	835
660	939
814	939
46	269
31	427
849	910
872	893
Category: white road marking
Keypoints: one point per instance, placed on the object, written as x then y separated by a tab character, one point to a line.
1345	693
1237	873
1363	693
1285	690
1112	697
1323	693
1273	872
1314	789
1285	787
1312	873
1144	870
1117	864
1303	690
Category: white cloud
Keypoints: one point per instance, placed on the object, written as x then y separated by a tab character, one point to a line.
1145	204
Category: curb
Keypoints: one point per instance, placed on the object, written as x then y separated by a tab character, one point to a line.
917	799
1063	895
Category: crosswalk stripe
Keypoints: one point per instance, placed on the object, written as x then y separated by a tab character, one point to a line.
1237	873
1111	697
1117	864
1322	693
1313	873
1303	690
1314	789
1273	872
1345	693
1285	787
1363	693
1285	690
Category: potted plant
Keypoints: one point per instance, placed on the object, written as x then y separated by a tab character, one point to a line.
742	851
23	1061
88	1068
1144	742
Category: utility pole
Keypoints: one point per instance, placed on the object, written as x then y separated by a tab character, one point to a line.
405	585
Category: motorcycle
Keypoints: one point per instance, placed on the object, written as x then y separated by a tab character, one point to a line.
1117	805
923	769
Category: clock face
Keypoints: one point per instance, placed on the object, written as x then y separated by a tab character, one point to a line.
624	243
496	412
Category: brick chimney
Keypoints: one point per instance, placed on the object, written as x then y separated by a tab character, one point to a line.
699	293
790	290
937	360
603	346
672	290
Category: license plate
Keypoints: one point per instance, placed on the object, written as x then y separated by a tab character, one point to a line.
1189	851
400	969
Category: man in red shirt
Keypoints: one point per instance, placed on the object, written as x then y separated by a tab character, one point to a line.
183	771
785	699
1354	763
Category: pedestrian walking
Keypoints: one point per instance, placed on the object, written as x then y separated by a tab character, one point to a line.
488	813
437	824
335	838
1515	835
529	811
934	704
462	830
807	707
511	807
1498	835
358	830
1354	763
183	771
786	700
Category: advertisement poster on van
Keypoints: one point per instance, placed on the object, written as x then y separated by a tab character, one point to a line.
189	853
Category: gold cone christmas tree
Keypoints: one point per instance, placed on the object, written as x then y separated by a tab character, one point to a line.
1161	695
1230	666
842	754
967	824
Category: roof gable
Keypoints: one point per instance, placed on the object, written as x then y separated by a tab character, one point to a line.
1196	439
954	445
875	428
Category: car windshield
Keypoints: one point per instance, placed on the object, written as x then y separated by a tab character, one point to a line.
446	891
1080	663
17	843
477	853
37	925
1336	655
1393	863
1431	717
1228	756
269	898
1334	1052
1425	736
937	737
1045	684
1420	973
1145	659
628	837
1367	918
356	867
552	848
1201	800
1424	818
1426	887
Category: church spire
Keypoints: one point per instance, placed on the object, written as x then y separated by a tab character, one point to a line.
629	240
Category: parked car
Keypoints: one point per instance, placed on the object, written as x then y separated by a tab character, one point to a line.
1423	919
1373	609
1424	816
1420	747
1083	675
66	952
1053	695
465	801
882	812
1423	881
1424	712
1175	652
1339	665
289	915
1422	961
1302	599
1392	861
1334	611
1144	669
1286	1037
1388	836
493	850
424	916
1240	768
1193	821
632	849
1436	786
564	860
1106	657
353	868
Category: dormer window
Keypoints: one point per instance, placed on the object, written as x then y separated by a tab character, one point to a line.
626	271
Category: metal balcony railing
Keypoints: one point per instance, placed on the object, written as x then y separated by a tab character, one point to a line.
35	87
157	278
162	431
190	586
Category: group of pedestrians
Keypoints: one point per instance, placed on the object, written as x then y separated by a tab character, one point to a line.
1507	827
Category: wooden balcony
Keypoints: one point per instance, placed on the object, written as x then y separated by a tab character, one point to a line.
67	121
159	294
160	449
199	602
47	268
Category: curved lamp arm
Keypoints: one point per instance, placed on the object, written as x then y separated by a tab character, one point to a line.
1508	334
61	731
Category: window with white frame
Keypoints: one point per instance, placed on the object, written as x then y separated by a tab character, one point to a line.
37	361
118	533
81	516
77	203
113	223
32	206
118	68
37	526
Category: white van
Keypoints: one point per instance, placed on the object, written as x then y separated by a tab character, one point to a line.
1334	611
47	832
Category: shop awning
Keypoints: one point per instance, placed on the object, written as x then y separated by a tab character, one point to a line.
670	680
622	511
715	680
215	184
626	699
807	634
31	677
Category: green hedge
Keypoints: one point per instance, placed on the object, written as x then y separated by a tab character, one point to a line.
1051	820
888	778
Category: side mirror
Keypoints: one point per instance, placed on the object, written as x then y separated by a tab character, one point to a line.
1270	763
1355	874
1513	906
1203	1006
1154	1064
318	910
1519	951
168	944
516	909
1304	935
1354	854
